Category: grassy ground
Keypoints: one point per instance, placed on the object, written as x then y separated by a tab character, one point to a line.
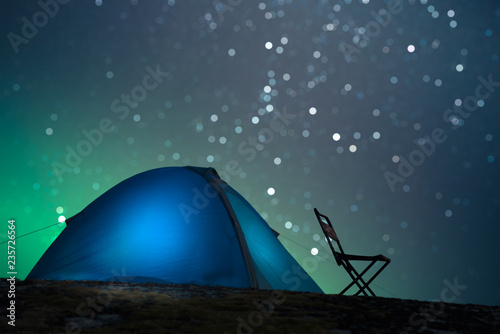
98	307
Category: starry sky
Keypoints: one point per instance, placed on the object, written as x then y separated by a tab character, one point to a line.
381	114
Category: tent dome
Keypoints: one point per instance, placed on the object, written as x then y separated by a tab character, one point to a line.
172	225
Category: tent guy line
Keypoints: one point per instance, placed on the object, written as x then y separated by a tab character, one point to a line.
40	229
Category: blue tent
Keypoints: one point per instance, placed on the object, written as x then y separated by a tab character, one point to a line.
173	225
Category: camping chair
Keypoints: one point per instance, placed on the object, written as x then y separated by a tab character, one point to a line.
344	259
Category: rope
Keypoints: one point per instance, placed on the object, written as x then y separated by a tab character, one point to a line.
43	228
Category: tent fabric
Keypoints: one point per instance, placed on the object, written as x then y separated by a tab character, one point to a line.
179	225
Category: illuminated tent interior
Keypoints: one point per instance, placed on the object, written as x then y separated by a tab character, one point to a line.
173	225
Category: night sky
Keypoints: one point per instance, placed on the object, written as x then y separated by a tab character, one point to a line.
381	114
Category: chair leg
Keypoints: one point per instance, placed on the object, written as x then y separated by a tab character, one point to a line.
366	284
359	278
355	280
378	272
349	268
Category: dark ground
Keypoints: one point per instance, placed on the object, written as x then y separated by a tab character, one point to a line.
106	307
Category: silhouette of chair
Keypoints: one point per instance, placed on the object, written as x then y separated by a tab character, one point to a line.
344	259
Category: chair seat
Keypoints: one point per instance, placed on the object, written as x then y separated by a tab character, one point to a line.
379	257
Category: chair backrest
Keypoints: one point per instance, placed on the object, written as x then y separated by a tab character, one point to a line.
329	231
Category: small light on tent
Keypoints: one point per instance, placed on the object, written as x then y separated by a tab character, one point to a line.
59	209
314	251
271	191
61	219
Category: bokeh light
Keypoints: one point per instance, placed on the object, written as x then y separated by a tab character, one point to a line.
389	129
